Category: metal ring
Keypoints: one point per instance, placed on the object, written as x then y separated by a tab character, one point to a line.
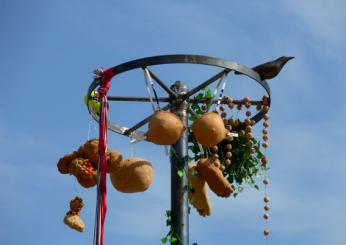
176	59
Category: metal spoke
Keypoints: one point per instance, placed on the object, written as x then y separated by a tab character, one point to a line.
161	83
225	101
141	123
135	99
206	83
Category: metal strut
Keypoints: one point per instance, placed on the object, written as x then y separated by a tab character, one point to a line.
179	161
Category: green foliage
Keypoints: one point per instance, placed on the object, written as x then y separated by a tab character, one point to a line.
170	237
245	166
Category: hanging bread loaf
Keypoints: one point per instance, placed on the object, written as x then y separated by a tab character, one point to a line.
165	128
209	129
209	169
199	192
134	175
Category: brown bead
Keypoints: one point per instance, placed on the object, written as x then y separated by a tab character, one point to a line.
265	100
241	132
265	144
228	162
266	232
204	107
247	122
222	168
225	99
229	154
265	131
266	199
266	116
249	135
231	105
265	137
250	142
216	155
265	216
223	114
264	160
258	107
253	150
214	149
248	129
266	108
247	104
229	138
239	107
253	122
225	122
222	108
266	207
248	113
266	124
229	147
266	181
246	99
230	100
236	123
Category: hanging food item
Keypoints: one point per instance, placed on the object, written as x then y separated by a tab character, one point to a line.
198	193
133	175
209	169
165	128
209	130
83	163
84	172
72	218
90	150
114	160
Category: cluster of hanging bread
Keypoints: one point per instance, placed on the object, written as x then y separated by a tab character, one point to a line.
127	175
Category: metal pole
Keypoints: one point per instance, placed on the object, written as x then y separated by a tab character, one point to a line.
179	161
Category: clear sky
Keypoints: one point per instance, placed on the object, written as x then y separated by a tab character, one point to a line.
48	50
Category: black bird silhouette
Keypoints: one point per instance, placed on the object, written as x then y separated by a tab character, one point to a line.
270	69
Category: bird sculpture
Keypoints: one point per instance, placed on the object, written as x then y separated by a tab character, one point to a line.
270	69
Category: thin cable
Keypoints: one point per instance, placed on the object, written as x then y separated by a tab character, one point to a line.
148	90
152	87
221	92
216	89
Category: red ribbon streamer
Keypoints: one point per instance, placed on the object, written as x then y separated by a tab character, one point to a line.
101	205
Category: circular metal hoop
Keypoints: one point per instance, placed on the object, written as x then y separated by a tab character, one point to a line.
176	59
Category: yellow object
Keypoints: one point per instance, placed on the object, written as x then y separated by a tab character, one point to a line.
93	103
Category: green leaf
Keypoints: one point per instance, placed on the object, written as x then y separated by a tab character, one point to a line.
173	240
164	240
180	173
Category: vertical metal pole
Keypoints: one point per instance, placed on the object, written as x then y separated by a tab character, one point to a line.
179	161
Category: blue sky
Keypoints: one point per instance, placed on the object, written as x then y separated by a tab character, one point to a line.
48	51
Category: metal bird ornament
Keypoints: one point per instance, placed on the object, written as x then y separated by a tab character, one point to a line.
270	69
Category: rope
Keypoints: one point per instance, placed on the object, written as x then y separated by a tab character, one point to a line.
101	194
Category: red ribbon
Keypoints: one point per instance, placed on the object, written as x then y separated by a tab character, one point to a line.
101	208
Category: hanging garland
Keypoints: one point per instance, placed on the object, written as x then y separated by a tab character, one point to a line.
242	159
